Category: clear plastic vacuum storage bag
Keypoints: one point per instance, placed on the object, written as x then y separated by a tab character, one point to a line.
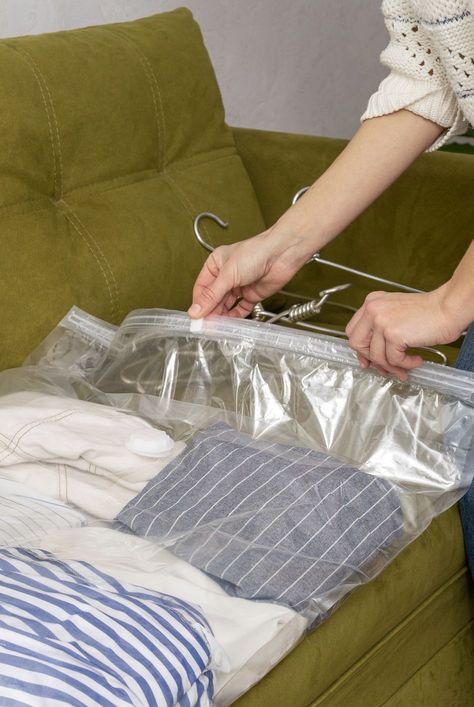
262	458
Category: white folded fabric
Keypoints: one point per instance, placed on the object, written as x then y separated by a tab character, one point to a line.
74	451
254	635
26	516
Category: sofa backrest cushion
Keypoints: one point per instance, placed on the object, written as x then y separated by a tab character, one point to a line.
113	139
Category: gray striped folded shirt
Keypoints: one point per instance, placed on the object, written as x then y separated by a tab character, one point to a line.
269	522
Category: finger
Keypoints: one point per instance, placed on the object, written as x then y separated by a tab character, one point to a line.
242	309
205	280
361	336
224	307
401	374
378	356
364	362
377	351
209	271
249	298
229	302
363	310
398	356
354	321
209	299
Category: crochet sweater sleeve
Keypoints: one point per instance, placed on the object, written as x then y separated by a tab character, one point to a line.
431	58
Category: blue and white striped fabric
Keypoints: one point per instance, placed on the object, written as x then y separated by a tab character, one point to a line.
71	635
26	516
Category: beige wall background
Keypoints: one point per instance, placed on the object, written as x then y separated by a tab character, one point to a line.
297	65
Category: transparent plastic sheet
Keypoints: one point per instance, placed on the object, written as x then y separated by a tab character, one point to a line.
300	476
78	343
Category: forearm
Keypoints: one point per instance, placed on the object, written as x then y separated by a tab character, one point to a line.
459	290
375	157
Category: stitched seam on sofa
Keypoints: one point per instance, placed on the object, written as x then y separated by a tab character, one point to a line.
100	251
70	216
56	124
28	61
468	629
113	302
388	637
105	185
205	156
30	206
450	585
25	429
33	205
155	91
182	165
186	202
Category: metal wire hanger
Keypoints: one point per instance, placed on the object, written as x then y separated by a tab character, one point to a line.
297	313
360	273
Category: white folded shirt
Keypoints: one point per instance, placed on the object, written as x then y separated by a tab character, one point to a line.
75	451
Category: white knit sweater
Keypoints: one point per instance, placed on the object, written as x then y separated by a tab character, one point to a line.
431	57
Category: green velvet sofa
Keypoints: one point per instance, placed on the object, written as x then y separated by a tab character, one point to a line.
113	139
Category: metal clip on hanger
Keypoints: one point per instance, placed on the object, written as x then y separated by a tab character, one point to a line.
299	312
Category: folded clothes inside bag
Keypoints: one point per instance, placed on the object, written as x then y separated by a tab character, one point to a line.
26	516
271	522
73	451
74	635
313	529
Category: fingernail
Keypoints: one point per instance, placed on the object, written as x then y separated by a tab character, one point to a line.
194	310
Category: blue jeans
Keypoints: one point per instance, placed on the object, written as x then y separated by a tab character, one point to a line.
466	504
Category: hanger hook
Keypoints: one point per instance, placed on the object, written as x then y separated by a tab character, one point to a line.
197	232
299	194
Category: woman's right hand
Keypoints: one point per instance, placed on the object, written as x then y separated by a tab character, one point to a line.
235	277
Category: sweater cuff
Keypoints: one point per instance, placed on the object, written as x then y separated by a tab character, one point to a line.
438	104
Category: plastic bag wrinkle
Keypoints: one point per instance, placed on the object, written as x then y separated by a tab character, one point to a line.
278	387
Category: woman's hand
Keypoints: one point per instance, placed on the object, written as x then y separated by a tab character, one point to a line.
235	277
388	323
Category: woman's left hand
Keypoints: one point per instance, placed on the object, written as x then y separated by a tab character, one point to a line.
388	323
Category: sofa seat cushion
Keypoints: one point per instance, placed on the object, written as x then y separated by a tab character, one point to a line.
113	140
372	619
